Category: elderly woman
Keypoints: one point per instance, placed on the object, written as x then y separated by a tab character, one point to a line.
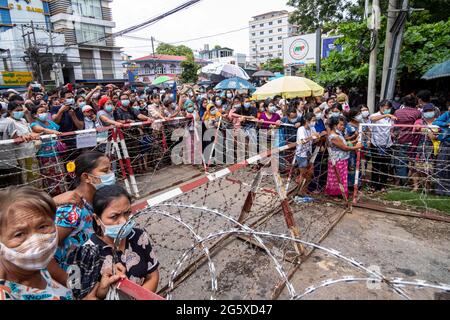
28	240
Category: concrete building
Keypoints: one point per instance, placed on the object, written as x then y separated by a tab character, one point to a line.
150	67
25	25
266	35
223	55
86	25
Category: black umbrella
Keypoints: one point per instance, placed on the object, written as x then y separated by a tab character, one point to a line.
263	74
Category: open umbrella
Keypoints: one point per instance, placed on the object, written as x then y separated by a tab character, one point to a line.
438	71
289	88
161	80
263	74
225	70
235	84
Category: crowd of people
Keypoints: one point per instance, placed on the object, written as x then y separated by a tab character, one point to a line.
47	237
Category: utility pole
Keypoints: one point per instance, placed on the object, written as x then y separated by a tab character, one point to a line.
153	54
397	31
256	50
55	66
37	60
392	16
374	25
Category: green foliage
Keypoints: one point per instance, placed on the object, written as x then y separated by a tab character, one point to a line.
217	47
190	68
274	65
424	45
169	49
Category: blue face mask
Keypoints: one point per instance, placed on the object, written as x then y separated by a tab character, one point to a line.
70	101
428	115
109	109
107	180
387	111
335	115
137	108
125	103
18	115
190	110
113	231
82	104
43	117
247	105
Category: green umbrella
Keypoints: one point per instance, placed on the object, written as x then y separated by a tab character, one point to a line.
160	80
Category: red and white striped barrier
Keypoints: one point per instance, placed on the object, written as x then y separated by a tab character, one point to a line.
185	188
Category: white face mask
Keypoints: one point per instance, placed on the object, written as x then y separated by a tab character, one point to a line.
34	254
365	114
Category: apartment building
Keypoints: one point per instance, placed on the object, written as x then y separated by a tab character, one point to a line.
266	34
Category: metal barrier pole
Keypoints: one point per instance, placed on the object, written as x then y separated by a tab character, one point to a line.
128	162
115	146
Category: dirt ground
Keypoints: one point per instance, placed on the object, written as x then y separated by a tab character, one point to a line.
395	246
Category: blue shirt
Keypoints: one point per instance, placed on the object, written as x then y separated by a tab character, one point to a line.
320	126
443	121
48	148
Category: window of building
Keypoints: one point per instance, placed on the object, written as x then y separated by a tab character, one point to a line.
107	66
270	39
253	27
87	64
270	23
88	8
173	68
253	34
262	32
270	31
89	32
160	69
280	21
261	25
253	41
270	47
254	49
280	38
280	54
280	46
261	41
261	48
147	69
280	29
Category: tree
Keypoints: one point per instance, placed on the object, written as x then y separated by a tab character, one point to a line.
424	45
190	69
274	65
217	47
310	14
165	48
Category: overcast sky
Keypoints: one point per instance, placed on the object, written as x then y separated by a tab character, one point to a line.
207	17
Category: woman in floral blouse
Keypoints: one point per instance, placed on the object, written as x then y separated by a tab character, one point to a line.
135	255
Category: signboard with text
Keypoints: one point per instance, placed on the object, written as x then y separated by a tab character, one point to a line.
328	45
15	78
299	50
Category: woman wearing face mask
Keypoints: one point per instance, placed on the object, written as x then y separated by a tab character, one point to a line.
80	102
339	152
74	221
212	116
17	127
112	206
269	117
306	135
427	148
335	111
48	157
381	141
28	240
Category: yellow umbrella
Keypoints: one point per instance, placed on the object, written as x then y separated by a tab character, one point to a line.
289	88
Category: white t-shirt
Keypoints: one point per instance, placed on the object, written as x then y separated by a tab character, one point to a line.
304	150
381	136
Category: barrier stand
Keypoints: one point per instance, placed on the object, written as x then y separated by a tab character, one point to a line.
288	215
310	171
115	146
214	144
128	162
358	163
247	207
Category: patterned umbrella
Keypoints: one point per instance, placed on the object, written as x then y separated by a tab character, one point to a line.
225	70
235	84
161	80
